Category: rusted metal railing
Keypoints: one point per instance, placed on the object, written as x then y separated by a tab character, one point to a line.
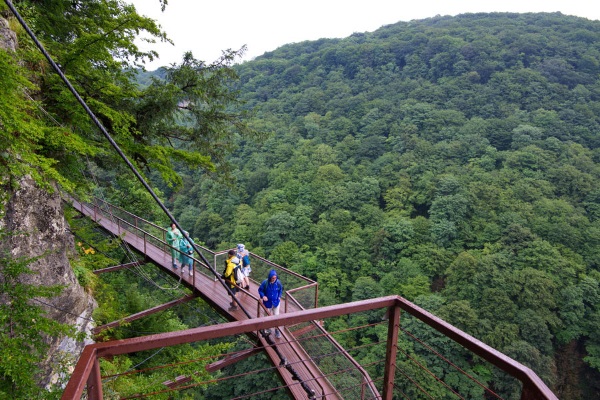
316	345
156	234
301	317
86	374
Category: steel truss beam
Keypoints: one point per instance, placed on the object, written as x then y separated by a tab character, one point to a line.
533	387
144	313
118	267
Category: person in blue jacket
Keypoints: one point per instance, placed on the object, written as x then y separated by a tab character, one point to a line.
270	291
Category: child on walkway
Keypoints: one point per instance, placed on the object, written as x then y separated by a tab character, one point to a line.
244	255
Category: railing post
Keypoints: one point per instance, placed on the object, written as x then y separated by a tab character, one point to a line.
258	316
215	264
528	393
362	389
94	383
390	352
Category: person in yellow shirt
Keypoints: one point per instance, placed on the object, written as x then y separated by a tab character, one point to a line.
230	278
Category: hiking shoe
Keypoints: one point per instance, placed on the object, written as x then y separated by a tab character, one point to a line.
233	308
277	334
247	287
191	273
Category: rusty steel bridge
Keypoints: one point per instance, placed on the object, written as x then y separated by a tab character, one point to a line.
304	374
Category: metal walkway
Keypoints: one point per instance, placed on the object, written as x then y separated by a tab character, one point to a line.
204	284
309	377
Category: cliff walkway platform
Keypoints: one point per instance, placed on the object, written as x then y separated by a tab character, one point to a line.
309	361
149	240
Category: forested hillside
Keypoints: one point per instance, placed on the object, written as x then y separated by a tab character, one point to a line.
453	161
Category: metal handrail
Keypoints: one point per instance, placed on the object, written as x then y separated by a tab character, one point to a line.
135	229
287	271
87	368
136	218
97	199
145	234
366	378
315	285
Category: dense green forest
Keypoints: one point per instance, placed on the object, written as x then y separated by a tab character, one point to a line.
452	161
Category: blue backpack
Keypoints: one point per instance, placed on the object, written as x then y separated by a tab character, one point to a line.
246	260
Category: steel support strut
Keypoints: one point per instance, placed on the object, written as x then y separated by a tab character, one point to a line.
390	353
94	382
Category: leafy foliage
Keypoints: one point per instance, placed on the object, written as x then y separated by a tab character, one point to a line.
25	139
23	329
187	117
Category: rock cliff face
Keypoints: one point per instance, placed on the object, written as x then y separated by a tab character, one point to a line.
8	39
38	220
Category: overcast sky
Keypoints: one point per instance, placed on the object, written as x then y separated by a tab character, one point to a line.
207	27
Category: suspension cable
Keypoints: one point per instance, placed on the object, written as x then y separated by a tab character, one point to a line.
229	354
109	138
265	333
139	271
128	252
429	372
490	391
